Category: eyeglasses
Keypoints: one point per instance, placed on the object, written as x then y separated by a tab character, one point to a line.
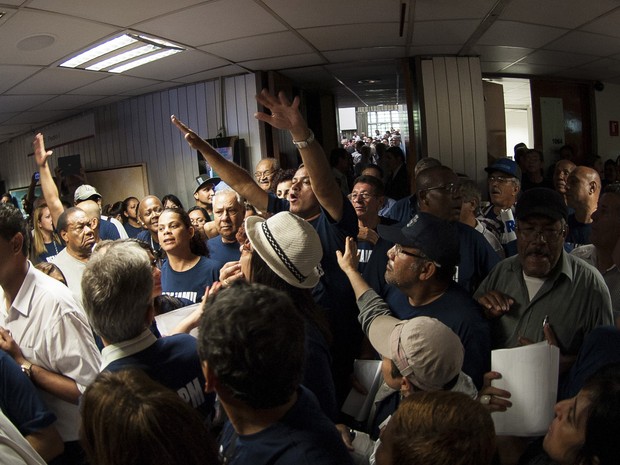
362	195
399	249
500	179
260	174
451	187
548	235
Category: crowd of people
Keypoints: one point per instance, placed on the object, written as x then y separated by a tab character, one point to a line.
275	286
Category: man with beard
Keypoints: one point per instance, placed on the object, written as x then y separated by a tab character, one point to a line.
543	292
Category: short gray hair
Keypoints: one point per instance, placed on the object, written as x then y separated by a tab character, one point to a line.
228	191
117	288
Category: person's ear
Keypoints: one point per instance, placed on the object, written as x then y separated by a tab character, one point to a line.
211	380
17	242
406	387
428	270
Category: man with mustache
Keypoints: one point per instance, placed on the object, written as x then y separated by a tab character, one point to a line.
543	292
266	171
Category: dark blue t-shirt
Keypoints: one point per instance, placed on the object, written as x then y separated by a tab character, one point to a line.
459	312
19	399
477	258
51	250
578	233
303	436
131	231
223	252
173	361
403	210
108	231
189	284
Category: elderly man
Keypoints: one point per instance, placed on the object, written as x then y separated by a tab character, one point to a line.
504	185
228	212
44	330
421	266
543	292
118	287
251	347
77	231
109	228
315	197
604	236
583	189
266	171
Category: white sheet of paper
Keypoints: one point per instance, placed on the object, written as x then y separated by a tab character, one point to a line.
530	374
368	373
166	322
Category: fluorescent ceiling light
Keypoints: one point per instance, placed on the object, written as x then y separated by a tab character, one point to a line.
144	61
123	51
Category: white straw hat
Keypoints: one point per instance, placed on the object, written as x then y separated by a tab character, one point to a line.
289	245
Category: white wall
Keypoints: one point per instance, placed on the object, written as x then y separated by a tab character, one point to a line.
518	128
138	130
607	109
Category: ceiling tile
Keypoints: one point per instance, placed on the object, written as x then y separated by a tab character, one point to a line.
55	81
511	33
6	116
586	43
22	102
291	61
113	85
26	24
562	13
494	66
607	25
448	9
40	117
547	57
364	54
181	64
120	12
349	36
304	13
525	68
491	53
427	50
256	47
212	74
442	33
214	22
11	75
68	102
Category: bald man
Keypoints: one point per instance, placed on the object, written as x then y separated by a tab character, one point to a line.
583	190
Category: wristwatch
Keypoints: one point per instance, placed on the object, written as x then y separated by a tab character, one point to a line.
27	368
302	144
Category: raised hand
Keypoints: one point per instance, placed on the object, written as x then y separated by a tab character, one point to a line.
40	154
284	114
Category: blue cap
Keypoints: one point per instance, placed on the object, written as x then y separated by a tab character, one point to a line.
505	165
436	238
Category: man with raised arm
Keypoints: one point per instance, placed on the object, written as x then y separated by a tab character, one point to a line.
315	197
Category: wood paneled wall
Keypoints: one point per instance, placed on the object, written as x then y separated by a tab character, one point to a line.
452	112
138	130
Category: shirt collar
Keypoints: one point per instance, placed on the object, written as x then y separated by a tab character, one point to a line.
21	303
120	350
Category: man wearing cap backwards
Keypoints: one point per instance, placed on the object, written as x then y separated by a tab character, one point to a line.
421	266
315	197
504	185
543	292
203	194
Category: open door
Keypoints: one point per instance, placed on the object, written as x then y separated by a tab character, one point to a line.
495	118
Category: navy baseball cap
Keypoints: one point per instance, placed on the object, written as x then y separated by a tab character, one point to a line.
436	238
543	202
507	166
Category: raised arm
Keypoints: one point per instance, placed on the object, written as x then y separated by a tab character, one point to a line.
232	174
48	186
285	115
